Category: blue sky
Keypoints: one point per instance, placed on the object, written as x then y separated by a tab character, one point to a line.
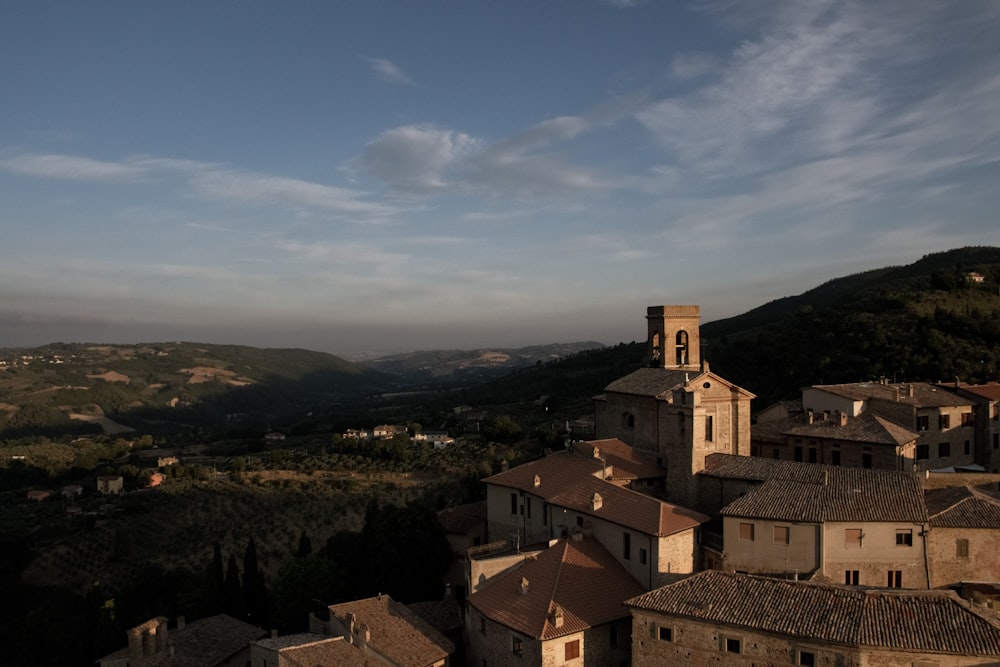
388	176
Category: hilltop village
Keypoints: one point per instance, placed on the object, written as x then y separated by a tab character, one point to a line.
859	525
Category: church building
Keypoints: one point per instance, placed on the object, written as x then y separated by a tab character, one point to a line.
676	407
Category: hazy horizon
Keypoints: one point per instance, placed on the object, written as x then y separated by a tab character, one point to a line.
395	176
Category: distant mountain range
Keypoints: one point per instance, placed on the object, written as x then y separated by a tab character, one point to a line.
935	319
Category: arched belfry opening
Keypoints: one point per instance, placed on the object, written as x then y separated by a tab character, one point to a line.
677	327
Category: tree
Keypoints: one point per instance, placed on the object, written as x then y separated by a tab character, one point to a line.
233	593
305	545
254	591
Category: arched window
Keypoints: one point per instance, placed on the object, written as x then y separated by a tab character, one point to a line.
655	351
628	420
682	348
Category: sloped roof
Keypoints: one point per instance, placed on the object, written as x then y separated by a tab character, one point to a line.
626	462
960	507
866	428
833	494
397	633
659	382
907	620
206	641
463	518
579	575
307	648
925	395
758	468
990	391
568	480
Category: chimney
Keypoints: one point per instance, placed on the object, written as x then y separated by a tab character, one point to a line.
162	634
557	616
596	502
704	366
524	585
537	481
597	452
135	655
909	390
809	415
843	418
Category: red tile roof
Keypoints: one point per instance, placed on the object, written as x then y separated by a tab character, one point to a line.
570	481
933	621
578	575
625	462
397	633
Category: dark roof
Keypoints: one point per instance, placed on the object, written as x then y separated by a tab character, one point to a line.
815	493
989	391
866	428
206	641
397	633
659	382
445	615
570	481
462	519
758	468
924	395
960	507
578	575
936	621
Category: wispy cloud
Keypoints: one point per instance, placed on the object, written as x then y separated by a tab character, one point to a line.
389	71
74	168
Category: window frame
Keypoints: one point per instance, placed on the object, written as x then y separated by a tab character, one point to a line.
962	548
904	537
776	538
850	543
744	529
665	633
571	649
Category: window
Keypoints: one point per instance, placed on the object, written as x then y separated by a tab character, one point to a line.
944	449
572	649
709	423
835	457
732	645
746	532
798	453
866	457
516	646
642	556
923	452
851	577
579	521
513	503
812	455
781	534
853	537
681	344
966	448
967	419
805	658
628	420
962	548
904	537
613	635
895	579
776	453
665	634
944	422
626	546
923	422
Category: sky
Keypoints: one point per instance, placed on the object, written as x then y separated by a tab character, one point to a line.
386	176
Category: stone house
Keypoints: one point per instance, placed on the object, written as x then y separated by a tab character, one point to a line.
559	606
387	632
986	398
865	441
741	620
653	540
845	525
964	536
306	648
464	528
676	408
216	641
110	485
943	420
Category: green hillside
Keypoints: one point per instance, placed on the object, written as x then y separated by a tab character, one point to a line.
76	388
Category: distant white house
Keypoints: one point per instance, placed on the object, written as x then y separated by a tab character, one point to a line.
439	439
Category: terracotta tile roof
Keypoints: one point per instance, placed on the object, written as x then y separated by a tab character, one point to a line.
935	621
989	391
206	641
397	633
578	575
570	481
866	428
758	469
839	494
626	462
332	651
659	382
445	615
463	518
925	395
959	507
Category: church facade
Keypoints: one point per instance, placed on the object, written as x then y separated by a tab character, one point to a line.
675	408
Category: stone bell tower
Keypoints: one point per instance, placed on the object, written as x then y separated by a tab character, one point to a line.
673	341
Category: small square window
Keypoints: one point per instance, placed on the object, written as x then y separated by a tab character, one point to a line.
746	532
733	645
665	634
781	534
944	449
962	548
944	422
572	649
904	537
806	658
853	537
642	556
517	646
